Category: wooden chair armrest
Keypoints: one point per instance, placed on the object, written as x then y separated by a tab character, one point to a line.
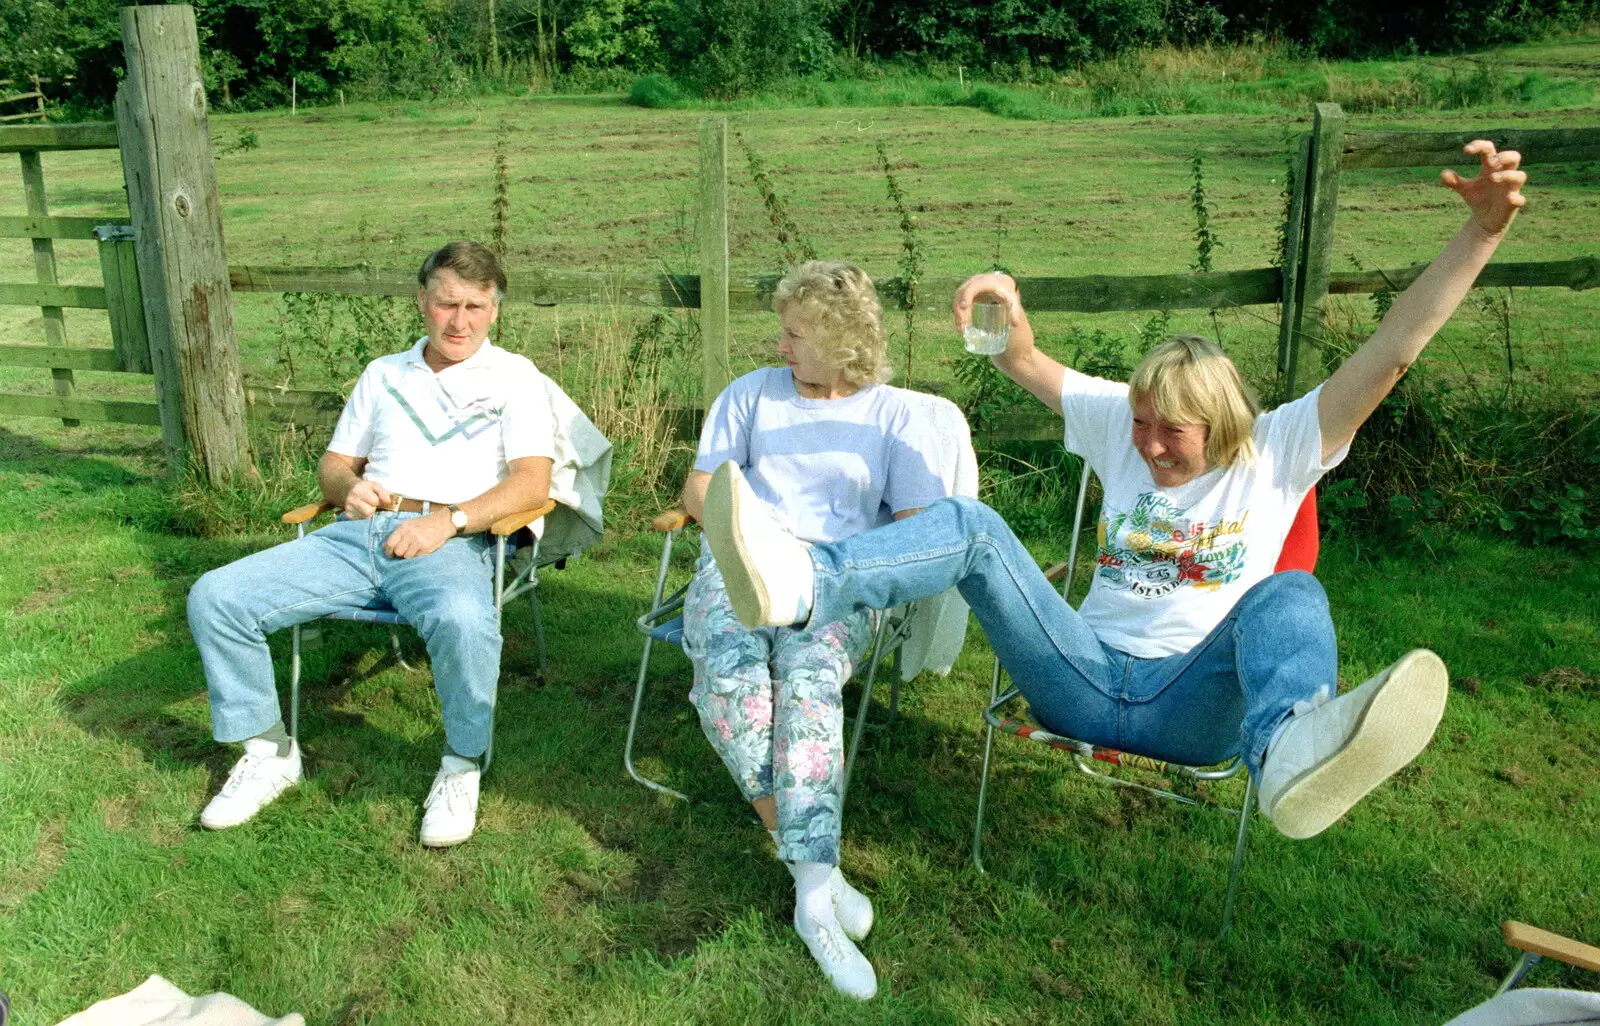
1551	945
517	521
1056	572
310	511
671	520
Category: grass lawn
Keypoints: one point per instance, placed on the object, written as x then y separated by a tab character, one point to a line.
585	898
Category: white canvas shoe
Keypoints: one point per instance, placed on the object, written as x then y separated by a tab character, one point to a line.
257	778
1329	756
852	907
451	808
767	571
841	961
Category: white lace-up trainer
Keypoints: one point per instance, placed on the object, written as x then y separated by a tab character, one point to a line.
853	908
768	571
1332	752
257	778
842	962
451	808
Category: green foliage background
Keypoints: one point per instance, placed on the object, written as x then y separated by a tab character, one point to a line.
716	48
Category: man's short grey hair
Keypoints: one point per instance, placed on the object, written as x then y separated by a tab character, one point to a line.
472	262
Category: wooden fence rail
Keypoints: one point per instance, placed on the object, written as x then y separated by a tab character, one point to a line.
1300	287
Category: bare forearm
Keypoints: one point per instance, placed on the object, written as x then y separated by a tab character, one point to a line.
335	477
694	493
518	492
1024	363
1424	307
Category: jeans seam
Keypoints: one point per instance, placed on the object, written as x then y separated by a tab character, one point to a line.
306	602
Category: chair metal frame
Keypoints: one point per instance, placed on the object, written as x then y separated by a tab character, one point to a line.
663	623
1536	944
1085	755
524	581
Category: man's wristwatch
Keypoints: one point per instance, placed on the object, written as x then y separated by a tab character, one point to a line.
458	517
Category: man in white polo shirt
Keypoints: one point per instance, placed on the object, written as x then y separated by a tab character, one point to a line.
435	444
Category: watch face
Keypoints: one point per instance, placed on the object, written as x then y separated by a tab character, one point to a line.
459	519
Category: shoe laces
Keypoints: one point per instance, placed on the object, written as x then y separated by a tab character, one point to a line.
249	766
828	939
452	790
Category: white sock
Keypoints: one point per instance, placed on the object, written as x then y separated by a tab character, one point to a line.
813	891
454	764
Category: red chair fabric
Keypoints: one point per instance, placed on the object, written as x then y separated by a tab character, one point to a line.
1302	544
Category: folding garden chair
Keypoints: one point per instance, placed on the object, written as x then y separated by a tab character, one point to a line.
1537	1005
571	521
1299	553
919	635
524	581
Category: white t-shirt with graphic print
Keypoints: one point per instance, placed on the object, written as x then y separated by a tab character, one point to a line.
830	468
446	436
1173	561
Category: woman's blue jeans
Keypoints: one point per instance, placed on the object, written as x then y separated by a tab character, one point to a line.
1225	696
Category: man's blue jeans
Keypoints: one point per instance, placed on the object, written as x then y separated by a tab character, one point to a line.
1224	696
447	595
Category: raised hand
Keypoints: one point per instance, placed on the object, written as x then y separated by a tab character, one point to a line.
996	284
1495	194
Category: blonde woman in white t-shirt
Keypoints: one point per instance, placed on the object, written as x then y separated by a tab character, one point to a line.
829	451
1188	646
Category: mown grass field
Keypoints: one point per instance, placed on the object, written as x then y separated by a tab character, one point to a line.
586	899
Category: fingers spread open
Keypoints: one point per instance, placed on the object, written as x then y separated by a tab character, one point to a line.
1508	160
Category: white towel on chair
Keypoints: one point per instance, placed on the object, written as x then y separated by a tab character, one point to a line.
938	626
155	1002
578	481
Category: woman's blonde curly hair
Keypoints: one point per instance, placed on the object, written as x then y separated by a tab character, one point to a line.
842	305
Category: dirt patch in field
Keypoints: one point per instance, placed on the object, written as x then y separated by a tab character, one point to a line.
49	852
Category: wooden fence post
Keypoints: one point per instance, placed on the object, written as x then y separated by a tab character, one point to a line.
712	222
1316	267
1294	237
44	265
177	220
119	269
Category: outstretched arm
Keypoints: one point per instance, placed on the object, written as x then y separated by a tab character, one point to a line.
1022	362
1354	390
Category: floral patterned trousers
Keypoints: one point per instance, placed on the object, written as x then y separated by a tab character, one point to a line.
770	701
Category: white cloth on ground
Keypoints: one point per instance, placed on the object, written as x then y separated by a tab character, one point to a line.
156	1002
1173	561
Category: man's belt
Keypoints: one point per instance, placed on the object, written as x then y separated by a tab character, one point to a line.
401	504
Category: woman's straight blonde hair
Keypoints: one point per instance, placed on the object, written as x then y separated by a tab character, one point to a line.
1190	380
842	305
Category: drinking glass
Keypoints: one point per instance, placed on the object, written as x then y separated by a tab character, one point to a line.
989	329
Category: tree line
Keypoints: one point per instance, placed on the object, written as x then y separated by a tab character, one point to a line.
719	48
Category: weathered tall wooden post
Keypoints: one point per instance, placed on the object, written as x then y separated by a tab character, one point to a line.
177	218
712	223
1321	202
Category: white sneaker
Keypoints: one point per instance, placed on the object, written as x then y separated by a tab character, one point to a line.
451	808
1331	754
842	963
852	907
257	778
768	571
